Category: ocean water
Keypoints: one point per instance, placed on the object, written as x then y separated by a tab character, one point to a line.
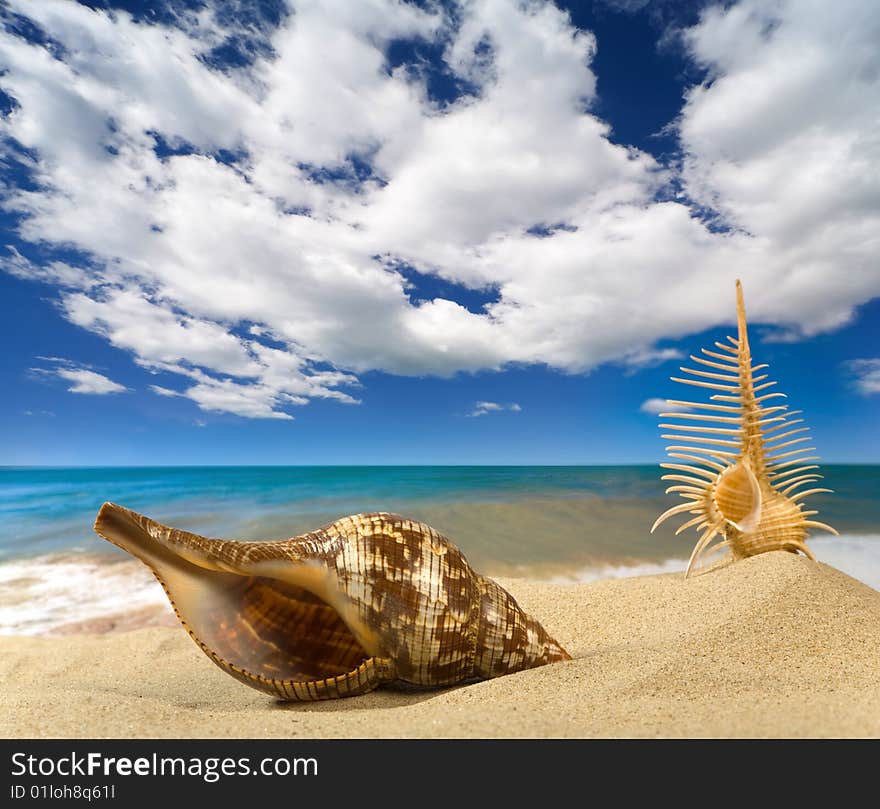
553	523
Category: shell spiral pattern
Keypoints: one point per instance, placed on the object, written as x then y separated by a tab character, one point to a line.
742	465
366	600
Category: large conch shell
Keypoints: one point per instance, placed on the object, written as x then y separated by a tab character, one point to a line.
742	476
369	599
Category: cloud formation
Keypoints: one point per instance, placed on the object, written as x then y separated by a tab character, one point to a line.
782	142
867	375
656	406
484	408
257	233
83	379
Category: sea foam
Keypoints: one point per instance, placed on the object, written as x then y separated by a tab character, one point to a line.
41	594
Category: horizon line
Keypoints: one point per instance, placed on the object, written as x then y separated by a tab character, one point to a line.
8	467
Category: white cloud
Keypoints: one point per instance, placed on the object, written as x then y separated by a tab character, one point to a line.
484	408
83	379
262	288
89	382
251	401
867	375
657	406
158	336
649	357
158	389
783	142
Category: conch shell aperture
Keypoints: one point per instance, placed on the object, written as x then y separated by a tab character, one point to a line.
739	478
366	600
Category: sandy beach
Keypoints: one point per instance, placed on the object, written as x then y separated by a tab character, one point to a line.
772	646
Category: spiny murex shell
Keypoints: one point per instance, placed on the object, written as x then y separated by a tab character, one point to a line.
738	483
366	600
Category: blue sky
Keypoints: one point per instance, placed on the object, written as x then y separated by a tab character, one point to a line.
419	233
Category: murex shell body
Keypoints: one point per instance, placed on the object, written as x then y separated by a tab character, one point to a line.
366	600
742	465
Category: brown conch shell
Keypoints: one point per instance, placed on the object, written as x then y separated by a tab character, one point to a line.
742	472
366	600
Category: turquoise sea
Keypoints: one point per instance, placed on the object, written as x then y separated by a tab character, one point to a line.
548	522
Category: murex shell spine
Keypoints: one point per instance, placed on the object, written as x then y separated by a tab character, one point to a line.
742	463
